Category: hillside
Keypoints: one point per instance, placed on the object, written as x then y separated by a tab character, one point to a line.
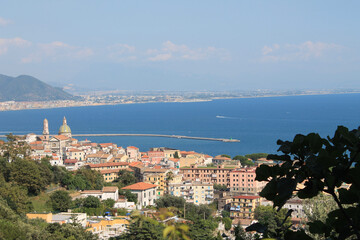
28	88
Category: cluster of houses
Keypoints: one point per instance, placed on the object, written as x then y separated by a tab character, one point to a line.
159	171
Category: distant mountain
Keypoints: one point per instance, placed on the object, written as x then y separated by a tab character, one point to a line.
28	88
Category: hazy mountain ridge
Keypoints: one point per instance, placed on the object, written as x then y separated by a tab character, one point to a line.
28	88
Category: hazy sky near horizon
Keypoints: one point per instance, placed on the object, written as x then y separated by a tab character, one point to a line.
183	45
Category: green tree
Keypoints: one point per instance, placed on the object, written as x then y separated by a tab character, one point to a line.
256	156
16	197
26	173
240	233
142	228
91	202
227	221
322	165
131	197
125	178
225	155
225	214
109	203
94	180
60	201
272	219
176	154
244	160
318	209
176	232
240	157
170	201
220	187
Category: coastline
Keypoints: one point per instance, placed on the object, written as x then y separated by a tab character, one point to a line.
182	101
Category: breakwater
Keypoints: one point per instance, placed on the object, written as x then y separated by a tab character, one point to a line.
151	135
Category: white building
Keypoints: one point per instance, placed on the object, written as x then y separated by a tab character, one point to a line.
105	193
146	193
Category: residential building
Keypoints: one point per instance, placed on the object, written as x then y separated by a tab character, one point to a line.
110	165
107	228
111	174
243	206
216	175
146	193
220	159
133	153
193	192
74	153
64	217
105	193
242	182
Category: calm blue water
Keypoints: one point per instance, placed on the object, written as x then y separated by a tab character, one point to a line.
257	122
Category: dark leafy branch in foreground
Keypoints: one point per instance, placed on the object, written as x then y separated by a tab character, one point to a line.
320	165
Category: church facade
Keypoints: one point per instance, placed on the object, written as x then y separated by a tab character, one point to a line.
57	143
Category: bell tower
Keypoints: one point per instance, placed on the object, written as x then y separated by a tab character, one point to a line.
46	130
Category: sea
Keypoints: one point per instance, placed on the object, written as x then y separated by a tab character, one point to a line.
257	122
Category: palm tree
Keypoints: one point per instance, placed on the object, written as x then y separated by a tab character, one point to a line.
169	177
176	232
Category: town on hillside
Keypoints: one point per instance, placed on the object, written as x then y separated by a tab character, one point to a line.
196	177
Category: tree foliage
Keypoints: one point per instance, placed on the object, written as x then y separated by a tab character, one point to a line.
322	165
60	201
227	221
256	156
14	226
220	187
26	173
244	160
125	178
272	220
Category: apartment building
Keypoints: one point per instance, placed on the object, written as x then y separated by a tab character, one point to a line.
146	193
242	182
243	206
193	192
216	175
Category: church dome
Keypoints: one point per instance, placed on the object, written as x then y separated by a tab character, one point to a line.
64	129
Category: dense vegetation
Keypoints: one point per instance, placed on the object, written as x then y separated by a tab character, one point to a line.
322	165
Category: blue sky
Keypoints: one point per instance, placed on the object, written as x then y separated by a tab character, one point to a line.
183	45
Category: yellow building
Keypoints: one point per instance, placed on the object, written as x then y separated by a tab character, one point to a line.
108	228
45	216
156	177
244	206
159	178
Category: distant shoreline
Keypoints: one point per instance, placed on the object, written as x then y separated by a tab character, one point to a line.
183	101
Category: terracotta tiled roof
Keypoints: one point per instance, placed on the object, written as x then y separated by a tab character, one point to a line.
133	164
91	192
110	164
140	186
37	148
67	161
74	150
219	157
132	147
155	169
110	170
61	137
36	143
106	144
110	189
